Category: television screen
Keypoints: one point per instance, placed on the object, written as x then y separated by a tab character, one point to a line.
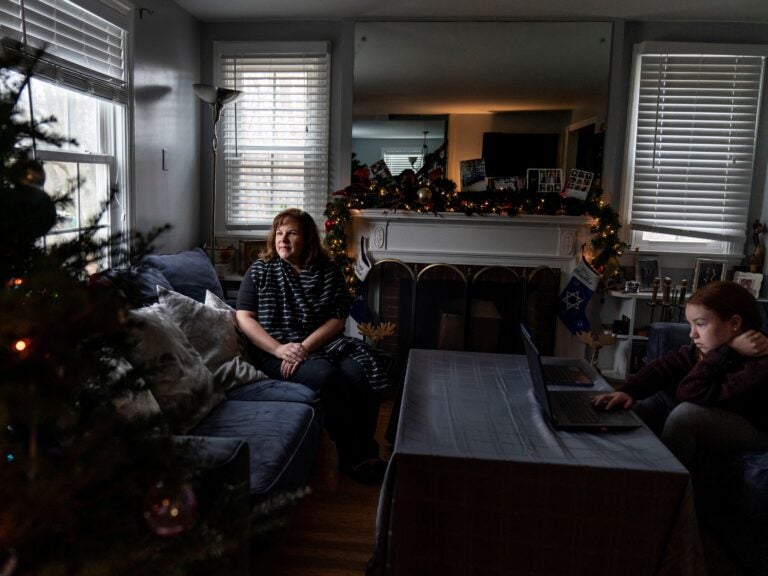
511	154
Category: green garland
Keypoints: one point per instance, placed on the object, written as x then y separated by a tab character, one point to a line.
441	196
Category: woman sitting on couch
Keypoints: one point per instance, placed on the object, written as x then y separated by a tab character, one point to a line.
712	395
292	305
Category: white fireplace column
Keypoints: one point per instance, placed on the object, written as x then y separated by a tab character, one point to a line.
485	240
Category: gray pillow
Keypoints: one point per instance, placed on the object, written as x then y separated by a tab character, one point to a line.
211	330
172	368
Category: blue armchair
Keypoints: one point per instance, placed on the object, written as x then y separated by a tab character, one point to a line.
732	503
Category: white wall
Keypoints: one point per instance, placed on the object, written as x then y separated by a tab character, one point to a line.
167	116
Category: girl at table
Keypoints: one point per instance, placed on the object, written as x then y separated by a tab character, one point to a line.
710	396
292	305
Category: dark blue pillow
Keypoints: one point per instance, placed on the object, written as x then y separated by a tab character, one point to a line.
139	283
190	272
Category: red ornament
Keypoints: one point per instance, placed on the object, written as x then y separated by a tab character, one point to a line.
329	224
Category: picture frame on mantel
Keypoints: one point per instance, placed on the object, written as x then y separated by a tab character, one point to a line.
708	271
750	280
647	268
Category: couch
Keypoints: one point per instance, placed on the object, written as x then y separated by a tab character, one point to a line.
250	433
732	496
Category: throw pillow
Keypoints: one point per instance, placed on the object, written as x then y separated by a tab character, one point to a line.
241	370
174	371
189	272
131	404
211	330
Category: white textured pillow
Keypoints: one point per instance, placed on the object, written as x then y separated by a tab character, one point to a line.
174	371
211	330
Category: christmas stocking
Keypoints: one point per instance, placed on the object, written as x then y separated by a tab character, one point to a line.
576	296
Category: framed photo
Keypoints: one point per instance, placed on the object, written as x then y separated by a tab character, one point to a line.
224	259
646	269
578	185
708	271
249	252
472	175
544	179
750	281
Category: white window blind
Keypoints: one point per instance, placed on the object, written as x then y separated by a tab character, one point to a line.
275	139
400	160
83	51
692	141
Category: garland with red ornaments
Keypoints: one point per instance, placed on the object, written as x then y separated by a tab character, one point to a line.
439	195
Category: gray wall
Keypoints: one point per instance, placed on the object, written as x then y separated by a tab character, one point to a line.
172	51
167	115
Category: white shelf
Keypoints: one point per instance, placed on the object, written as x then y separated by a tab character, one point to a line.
617	361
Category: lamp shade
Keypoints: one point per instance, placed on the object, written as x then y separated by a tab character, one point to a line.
216	95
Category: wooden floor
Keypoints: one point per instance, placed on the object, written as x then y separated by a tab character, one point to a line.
331	532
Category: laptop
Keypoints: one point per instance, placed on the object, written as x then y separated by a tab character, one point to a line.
565	375
571	409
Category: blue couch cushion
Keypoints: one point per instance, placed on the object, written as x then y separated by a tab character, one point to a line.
275	390
664	337
190	272
139	283
282	440
144	282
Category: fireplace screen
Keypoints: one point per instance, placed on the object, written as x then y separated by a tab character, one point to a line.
473	308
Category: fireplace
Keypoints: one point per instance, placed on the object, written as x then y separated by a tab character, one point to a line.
459	282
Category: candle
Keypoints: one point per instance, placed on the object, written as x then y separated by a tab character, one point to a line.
683	288
654	291
665	290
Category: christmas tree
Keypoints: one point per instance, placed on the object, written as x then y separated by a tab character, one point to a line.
85	487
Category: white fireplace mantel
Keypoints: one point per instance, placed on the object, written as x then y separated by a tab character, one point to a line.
455	238
485	240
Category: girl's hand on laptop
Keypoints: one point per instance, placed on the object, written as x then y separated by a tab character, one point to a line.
613	400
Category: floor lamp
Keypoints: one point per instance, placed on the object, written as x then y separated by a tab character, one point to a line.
217	98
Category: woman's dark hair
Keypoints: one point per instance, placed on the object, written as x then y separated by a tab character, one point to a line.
313	248
727	299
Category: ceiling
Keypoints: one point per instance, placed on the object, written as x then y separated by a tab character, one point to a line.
702	10
380	90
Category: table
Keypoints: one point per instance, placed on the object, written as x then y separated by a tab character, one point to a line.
479	483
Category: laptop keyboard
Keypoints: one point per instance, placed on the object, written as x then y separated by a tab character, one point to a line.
575	407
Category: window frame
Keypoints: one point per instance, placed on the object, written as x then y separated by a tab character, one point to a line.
113	88
255	48
721	247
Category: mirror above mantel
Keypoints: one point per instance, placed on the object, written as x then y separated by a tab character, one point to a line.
458	81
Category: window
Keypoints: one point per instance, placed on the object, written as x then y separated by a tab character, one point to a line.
693	133
82	81
399	160
274	141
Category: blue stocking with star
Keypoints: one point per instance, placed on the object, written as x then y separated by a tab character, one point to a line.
574	299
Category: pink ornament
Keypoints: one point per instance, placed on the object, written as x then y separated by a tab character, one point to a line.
170	509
